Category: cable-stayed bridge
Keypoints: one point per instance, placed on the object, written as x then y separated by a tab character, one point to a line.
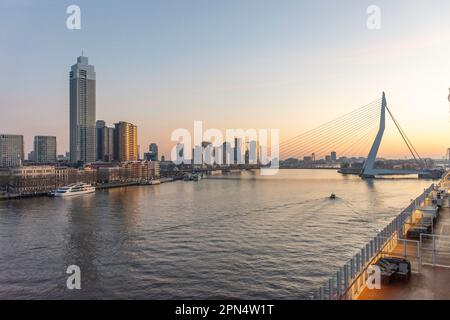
352	135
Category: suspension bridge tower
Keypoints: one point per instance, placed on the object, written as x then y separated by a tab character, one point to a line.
368	169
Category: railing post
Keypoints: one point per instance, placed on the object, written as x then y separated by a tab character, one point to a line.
434	250
352	268
419	254
330	289
338	285
404	248
363	257
321	293
345	281
358	263
371	249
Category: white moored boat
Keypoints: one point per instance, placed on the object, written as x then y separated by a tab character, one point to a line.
73	190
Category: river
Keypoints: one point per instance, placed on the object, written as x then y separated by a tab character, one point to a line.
244	237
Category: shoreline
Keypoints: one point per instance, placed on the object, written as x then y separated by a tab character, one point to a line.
105	186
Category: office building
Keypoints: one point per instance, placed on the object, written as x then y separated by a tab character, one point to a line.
238	155
253	150
227	153
82	112
11	150
44	149
31	156
152	155
333	156
104	142
153	151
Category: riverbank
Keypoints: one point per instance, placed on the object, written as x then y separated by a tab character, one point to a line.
103	186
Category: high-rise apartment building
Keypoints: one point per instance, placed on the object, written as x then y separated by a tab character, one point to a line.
333	156
44	149
153	150
125	140
238	155
104	141
82	112
11	150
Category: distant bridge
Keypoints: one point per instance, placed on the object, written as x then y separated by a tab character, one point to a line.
350	135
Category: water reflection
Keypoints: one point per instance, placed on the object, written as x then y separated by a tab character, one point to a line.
230	237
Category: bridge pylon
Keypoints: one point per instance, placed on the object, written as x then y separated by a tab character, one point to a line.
368	170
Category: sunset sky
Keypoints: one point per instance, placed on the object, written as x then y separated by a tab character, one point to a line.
291	65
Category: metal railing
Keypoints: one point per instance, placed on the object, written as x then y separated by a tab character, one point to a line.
350	279
435	250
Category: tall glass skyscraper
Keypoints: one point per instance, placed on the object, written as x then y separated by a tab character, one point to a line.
82	112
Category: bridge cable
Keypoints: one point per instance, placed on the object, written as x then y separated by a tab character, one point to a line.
346	124
406	139
337	141
343	133
327	125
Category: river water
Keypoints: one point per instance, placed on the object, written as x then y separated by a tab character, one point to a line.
245	237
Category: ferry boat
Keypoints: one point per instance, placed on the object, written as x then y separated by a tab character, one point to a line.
151	182
73	190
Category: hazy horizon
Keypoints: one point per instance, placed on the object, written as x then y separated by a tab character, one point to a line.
273	64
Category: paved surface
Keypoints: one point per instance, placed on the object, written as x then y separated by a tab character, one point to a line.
431	282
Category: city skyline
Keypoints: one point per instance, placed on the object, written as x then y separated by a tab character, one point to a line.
282	78
188	152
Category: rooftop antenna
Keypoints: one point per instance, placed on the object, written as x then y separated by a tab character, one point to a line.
82	52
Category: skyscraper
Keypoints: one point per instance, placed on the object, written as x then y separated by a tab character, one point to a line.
99	138
153	148
238	151
227	153
253	157
104	141
44	149
11	150
82	112
125	140
333	156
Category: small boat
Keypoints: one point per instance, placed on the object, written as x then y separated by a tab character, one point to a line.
332	196
73	190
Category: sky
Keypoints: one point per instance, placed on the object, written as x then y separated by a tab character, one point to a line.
284	64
